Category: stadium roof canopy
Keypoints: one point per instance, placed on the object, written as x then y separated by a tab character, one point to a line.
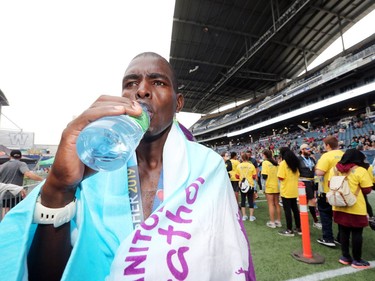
225	51
3	99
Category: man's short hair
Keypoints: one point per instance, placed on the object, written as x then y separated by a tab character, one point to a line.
16	154
173	78
332	141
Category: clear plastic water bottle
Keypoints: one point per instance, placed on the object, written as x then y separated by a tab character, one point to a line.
108	143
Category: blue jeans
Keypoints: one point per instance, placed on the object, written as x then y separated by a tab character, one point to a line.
325	212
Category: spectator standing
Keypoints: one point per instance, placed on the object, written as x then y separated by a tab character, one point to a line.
228	164
353	219
234	176
325	163
306	169
256	165
246	170
257	183
13	172
271	188
370	212
370	170
288	175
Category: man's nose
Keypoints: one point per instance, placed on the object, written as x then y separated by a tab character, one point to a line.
144	90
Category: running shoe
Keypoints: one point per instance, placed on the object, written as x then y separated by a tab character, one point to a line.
278	224
286	232
298	231
271	224
326	243
360	264
317	225
244	218
345	260
252	218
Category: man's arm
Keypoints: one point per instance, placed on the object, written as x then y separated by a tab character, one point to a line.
319	173
51	247
33	176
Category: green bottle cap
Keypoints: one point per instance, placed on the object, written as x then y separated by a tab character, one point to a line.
143	120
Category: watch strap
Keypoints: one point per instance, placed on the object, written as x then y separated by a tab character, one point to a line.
55	216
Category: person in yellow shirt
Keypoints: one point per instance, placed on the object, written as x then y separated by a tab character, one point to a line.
246	170
271	188
234	177
328	160
353	219
288	175
368	205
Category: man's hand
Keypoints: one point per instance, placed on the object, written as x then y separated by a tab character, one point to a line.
67	170
23	193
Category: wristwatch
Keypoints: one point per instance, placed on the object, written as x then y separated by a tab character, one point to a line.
55	216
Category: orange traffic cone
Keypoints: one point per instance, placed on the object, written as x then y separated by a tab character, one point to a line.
306	255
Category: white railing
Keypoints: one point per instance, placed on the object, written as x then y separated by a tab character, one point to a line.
8	200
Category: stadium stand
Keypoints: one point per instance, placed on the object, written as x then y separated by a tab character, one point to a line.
302	92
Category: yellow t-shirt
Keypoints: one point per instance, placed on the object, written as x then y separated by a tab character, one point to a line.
325	164
369	170
272	182
233	173
358	176
289	184
247	170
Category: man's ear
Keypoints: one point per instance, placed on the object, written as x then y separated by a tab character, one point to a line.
179	102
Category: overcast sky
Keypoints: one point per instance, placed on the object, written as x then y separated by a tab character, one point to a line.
57	57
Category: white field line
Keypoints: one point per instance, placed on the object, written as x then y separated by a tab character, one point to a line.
331	273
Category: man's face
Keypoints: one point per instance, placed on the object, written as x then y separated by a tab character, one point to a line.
148	79
306	151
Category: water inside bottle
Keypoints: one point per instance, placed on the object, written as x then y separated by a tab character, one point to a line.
108	143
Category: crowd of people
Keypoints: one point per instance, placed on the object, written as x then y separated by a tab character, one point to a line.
281	173
313	136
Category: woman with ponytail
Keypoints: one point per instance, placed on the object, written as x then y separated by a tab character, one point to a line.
288	175
271	188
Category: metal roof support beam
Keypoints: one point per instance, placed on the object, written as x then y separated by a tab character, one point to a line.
258	76
213	27
240	33
332	13
199	62
305	61
280	22
341	35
